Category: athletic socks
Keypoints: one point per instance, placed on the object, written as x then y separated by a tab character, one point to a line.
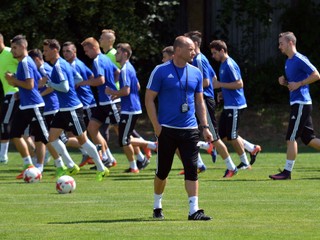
93	153
289	165
157	201
193	204
229	163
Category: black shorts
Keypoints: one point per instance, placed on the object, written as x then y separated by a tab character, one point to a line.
87	114
70	121
33	117
211	117
186	141
126	127
106	114
229	123
8	107
300	124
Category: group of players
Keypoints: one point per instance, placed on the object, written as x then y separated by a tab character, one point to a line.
55	94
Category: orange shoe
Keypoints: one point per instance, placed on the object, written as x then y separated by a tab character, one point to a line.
20	176
147	152
131	170
86	159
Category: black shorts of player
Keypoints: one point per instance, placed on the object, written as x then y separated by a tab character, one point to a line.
126	127
186	141
106	114
210	104
300	123
8	107
48	119
70	121
87	114
229	123
33	117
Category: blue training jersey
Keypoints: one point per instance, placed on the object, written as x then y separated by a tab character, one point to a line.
102	66
51	100
62	71
130	104
229	72
201	62
27	69
84	92
297	69
169	82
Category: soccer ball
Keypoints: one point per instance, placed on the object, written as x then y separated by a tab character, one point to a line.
65	184
32	175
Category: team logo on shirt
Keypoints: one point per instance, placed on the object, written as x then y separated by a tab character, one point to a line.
170	76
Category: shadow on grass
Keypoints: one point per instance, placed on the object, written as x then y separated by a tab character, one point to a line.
115	221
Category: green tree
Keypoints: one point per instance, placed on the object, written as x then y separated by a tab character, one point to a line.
137	22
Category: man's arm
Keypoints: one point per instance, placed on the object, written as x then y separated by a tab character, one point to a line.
152	111
231	85
13	81
202	116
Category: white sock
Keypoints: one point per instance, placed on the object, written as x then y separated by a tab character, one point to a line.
109	154
193	204
104	155
83	151
244	159
157	201
248	145
4	148
91	149
289	165
58	162
40	167
140	157
203	145
199	162
27	160
133	164
62	150
229	163
152	145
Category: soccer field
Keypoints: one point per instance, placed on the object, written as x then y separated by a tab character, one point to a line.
248	206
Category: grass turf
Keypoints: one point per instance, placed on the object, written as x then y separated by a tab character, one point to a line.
248	206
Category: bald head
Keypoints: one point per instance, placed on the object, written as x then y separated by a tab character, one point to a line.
184	50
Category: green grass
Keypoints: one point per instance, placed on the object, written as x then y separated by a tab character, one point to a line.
248	206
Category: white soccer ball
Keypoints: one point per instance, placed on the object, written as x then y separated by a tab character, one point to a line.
65	184
32	175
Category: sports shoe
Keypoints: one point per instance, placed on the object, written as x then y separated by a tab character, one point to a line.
101	174
284	175
202	169
4	159
86	159
199	215
230	173
107	163
131	170
20	176
143	164
73	170
254	153
157	213
244	166
60	171
147	152
213	152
